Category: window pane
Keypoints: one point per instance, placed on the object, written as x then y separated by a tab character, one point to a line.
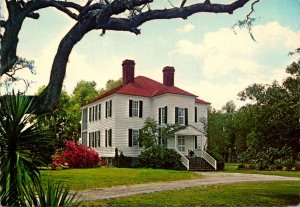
84	138
84	119
181	116
135	108
135	134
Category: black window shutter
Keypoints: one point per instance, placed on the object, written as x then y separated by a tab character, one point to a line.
141	109
95	139
105	137
106	109
196	144
110	108
195	114
89	114
176	115
130	137
159	116
186	117
93	118
99	111
96	112
110	138
130	108
166	114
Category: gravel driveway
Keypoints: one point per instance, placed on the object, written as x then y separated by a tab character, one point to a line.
209	178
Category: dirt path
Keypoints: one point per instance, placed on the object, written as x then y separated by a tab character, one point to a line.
209	178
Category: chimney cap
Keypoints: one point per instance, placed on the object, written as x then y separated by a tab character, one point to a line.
128	62
169	69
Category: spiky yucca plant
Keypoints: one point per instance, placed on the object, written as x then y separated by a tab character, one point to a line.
19	141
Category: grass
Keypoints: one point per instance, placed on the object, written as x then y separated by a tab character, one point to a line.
80	179
243	194
233	168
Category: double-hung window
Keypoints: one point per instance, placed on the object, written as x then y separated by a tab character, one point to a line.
91	139
97	139
91	113
84	138
181	116
108	108
163	115
135	108
97	113
84	119
133	138
181	143
108	137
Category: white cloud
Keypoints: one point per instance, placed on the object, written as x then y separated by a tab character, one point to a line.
186	29
239	61
223	52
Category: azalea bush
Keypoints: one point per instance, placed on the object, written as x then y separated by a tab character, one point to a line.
76	155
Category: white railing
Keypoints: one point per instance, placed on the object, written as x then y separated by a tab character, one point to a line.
207	157
185	161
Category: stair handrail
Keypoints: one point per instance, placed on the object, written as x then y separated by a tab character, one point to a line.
202	153
185	161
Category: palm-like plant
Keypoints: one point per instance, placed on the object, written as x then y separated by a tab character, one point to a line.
19	141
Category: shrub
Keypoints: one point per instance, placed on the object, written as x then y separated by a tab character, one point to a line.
219	159
160	157
76	156
241	166
58	160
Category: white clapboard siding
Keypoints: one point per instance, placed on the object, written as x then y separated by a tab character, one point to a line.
172	101
201	116
124	122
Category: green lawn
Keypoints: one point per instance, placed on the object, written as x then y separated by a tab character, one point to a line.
79	179
233	168
246	194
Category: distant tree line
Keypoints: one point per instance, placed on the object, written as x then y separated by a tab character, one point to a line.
268	124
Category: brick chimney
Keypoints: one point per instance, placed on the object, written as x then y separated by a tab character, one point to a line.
168	73
128	71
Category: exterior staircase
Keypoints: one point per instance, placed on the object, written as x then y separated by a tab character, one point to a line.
200	161
199	164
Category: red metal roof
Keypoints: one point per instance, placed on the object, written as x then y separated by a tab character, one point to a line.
143	86
200	101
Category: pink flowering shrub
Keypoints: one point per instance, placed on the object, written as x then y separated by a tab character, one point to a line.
58	160
76	155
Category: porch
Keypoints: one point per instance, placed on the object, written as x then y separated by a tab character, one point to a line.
190	144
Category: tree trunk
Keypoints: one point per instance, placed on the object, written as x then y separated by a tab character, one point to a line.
10	40
48	100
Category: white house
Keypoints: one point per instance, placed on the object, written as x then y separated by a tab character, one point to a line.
113	119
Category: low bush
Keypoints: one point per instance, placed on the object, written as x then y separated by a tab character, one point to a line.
241	166
75	155
219	159
160	157
269	158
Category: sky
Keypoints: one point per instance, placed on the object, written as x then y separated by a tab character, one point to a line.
210	59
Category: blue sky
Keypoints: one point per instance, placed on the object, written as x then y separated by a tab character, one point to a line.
210	60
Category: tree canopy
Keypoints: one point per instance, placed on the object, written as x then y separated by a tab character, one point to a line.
271	121
127	15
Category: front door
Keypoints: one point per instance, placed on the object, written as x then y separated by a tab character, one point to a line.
181	143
